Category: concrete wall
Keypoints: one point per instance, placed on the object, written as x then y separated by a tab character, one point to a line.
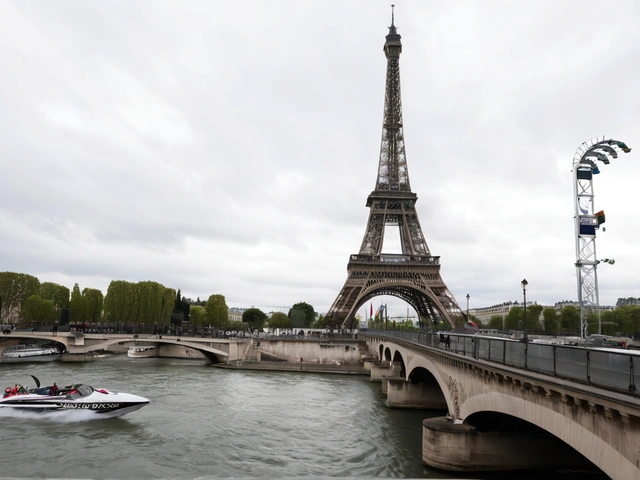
331	352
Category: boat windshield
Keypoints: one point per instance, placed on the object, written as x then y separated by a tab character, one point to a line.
85	390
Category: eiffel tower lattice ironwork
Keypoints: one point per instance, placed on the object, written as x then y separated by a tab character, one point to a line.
414	274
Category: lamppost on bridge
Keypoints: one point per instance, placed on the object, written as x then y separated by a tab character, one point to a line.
468	307
524	284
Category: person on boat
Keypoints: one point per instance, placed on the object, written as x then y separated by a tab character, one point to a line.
54	389
15	389
7	392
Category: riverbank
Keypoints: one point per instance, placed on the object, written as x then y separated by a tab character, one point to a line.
295	367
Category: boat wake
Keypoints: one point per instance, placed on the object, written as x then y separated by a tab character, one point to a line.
57	416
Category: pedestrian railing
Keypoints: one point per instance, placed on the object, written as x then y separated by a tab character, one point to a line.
601	367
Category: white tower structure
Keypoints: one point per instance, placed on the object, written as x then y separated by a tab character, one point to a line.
588	221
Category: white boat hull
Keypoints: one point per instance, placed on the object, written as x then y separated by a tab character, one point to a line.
142	352
29	353
30	358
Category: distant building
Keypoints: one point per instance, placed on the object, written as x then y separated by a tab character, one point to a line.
566	303
485	313
622	302
235	314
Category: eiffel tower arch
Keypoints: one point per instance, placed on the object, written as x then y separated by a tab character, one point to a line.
414	274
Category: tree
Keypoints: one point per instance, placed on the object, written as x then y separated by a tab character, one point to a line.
167	305
151	299
513	319
197	317
608	323
180	310
533	317
254	317
121	302
59	294
550	321
77	306
302	315
15	288
570	319
36	309
496	322
280	320
94	300
217	312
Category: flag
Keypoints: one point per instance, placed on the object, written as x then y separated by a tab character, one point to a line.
600	217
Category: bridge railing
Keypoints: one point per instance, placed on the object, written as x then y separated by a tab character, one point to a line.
606	368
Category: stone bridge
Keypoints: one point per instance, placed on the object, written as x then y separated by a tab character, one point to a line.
78	345
504	417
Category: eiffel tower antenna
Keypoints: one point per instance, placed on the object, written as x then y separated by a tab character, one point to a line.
414	274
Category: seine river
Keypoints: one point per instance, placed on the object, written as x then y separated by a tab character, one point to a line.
205	422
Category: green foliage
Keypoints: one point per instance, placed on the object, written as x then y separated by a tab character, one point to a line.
513	319
134	303
551	321
77	306
36	309
121	302
495	322
608	323
458	320
59	294
166	306
254	317
404	326
329	322
302	315
217	312
181	309
93	299
197	317
569	319
237	326
319	323
151	298
533	317
15	288
280	320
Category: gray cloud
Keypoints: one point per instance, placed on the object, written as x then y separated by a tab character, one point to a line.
230	147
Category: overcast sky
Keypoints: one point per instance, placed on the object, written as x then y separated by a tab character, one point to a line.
229	147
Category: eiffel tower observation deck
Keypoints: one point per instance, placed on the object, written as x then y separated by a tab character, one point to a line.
414	274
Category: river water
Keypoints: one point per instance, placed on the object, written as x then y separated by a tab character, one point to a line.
215	423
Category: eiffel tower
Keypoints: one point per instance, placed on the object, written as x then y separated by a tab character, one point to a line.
413	275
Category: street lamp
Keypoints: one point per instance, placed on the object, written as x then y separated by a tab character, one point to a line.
524	284
467	307
587	221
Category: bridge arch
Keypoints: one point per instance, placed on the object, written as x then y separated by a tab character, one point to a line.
398	361
575	433
212	354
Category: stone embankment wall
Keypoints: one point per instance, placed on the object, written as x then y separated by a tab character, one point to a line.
331	352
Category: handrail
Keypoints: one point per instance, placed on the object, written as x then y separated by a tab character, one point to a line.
599	367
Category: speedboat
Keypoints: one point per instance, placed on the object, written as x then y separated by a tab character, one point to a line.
100	401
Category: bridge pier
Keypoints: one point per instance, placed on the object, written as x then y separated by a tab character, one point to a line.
76	357
462	448
404	394
379	370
